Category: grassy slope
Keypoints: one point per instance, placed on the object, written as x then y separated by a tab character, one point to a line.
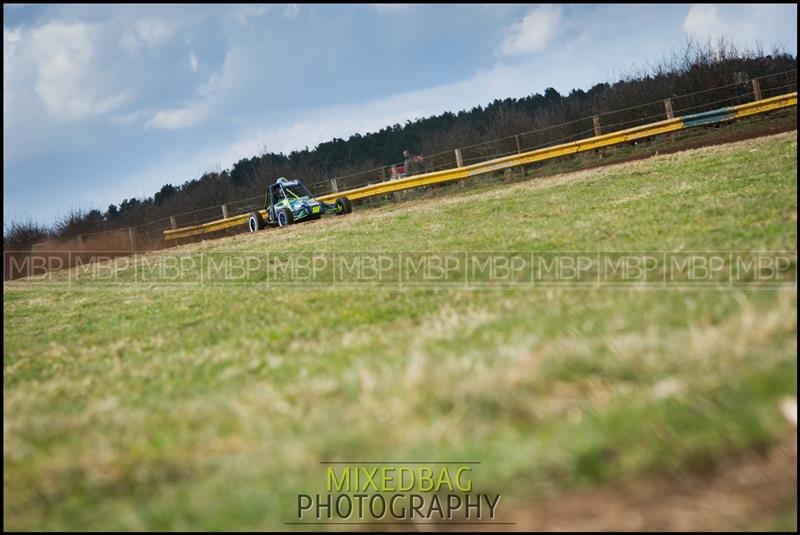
142	407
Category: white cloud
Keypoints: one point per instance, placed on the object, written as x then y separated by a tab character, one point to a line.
192	60
174	118
701	20
153	32
744	25
534	32
66	78
146	33
126	119
192	114
10	40
208	97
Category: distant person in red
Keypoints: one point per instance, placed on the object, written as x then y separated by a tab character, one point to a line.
413	163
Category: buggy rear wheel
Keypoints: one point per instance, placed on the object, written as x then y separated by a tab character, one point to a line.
255	222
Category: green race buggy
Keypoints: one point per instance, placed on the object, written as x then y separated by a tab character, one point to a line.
288	201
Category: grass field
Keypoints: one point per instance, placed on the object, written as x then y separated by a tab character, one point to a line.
156	406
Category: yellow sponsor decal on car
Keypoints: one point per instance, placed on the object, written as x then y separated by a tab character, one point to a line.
315	209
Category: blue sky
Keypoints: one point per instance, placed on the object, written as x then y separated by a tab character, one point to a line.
101	103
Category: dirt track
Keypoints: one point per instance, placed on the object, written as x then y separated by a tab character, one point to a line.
738	493
742	493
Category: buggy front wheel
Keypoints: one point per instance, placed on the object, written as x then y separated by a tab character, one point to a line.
343	206
285	217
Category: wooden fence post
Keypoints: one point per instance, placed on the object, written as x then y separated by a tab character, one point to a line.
459	159
394	172
172	222
756	89
519	147
596	123
334	185
670	115
668	108
224	211
130	236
